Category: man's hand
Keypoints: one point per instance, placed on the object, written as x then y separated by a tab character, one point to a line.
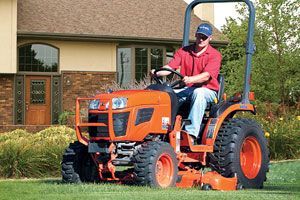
200	78
188	80
152	73
160	73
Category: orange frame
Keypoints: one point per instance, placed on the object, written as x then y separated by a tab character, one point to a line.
180	137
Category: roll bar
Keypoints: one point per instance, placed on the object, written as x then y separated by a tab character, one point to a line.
250	47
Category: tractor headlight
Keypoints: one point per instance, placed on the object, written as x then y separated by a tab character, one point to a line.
94	104
120	102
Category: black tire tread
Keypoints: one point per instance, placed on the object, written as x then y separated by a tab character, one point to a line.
77	165
144	161
223	159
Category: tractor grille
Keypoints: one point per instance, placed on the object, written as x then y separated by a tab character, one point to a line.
120	121
98	131
143	115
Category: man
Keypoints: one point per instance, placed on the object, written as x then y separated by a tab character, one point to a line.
200	65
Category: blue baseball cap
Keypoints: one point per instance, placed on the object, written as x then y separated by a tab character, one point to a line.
205	29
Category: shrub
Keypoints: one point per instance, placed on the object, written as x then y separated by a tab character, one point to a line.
283	126
19	159
64	118
24	154
284	139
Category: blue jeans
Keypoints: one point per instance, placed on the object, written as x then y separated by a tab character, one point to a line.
199	99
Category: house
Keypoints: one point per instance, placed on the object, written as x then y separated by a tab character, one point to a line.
54	51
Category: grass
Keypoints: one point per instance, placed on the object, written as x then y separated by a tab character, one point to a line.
283	183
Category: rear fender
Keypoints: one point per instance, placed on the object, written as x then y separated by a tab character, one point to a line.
217	117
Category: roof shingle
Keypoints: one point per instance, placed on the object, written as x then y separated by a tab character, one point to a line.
154	19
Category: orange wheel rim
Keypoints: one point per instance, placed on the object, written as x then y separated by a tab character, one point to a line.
164	170
250	157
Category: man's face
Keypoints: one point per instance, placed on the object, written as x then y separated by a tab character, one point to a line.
202	40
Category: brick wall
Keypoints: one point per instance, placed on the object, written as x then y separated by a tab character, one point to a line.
74	84
83	84
6	99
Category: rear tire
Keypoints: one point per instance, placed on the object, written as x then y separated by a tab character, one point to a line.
241	148
155	165
77	165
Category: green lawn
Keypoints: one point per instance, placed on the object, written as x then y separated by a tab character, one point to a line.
283	183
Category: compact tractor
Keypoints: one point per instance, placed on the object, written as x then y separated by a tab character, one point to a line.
138	136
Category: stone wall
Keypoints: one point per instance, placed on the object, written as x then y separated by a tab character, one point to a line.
6	99
83	84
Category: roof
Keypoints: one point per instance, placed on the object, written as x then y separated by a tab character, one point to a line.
143	19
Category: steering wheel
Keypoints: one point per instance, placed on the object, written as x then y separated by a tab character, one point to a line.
172	84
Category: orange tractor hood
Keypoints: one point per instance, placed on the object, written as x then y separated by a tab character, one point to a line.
146	111
137	97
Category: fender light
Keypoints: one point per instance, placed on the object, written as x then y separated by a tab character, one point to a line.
94	104
119	103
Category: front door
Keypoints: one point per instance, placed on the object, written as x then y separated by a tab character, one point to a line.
37	100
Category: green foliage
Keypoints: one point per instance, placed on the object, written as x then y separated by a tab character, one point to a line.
275	71
24	154
64	117
284	138
20	160
283	129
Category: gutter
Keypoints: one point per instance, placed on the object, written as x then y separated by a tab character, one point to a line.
103	38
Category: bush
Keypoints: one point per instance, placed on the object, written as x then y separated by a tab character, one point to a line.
66	118
24	154
284	137
283	127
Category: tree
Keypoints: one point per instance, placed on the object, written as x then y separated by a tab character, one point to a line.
275	74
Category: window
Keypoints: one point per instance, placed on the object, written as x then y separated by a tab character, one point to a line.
147	59
134	63
169	54
124	66
38	58
156	58
141	63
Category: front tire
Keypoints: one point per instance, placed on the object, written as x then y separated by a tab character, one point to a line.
77	165
155	165
241	148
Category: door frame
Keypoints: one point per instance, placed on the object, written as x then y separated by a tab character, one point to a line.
19	109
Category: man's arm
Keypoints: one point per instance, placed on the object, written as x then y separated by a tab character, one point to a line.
211	70
162	73
199	78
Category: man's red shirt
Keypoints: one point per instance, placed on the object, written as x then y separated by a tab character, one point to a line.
190	64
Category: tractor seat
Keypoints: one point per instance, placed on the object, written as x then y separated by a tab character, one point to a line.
184	107
220	93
